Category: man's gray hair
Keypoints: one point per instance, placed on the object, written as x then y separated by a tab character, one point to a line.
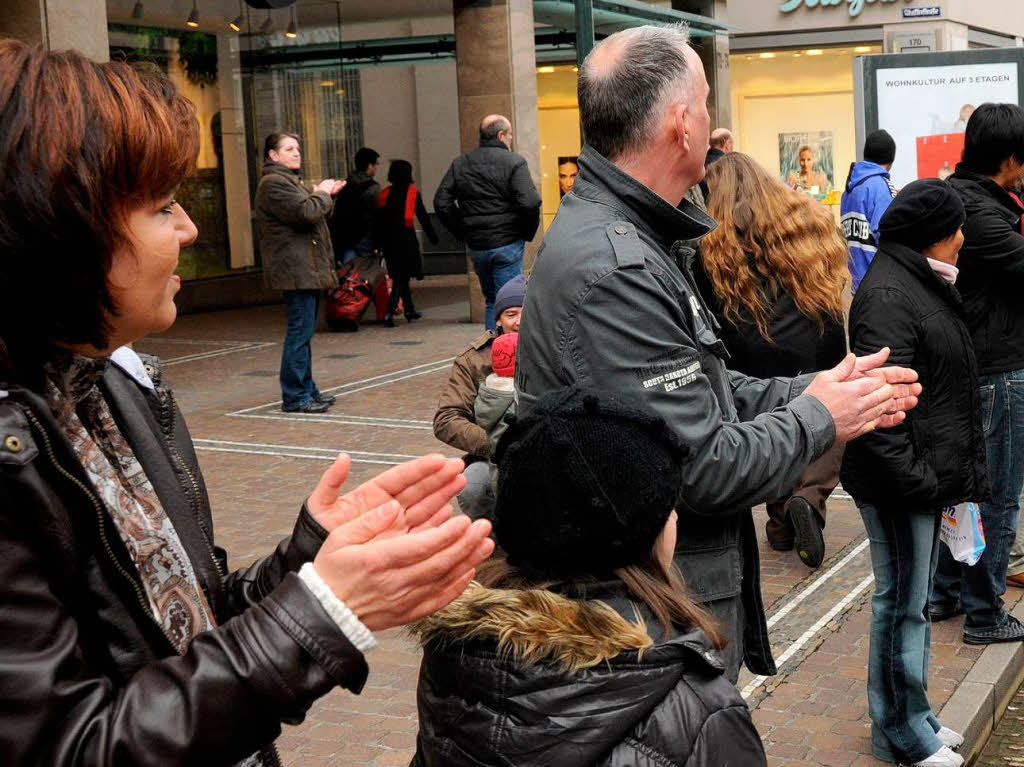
618	104
490	131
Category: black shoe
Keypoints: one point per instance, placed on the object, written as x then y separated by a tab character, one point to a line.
326	399
781	545
313	406
1012	630
808	539
944	612
389	321
413	316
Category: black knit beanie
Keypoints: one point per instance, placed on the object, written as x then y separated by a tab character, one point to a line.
585	483
924	212
879	147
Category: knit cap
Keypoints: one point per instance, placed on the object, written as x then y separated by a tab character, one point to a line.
923	213
512	293
586	482
879	147
503	354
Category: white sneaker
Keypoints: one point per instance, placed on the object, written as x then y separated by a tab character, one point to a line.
941	758
951	739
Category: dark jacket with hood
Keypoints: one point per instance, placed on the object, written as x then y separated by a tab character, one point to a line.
88	677
935	458
573	681
294	240
612	304
867	196
991	277
354	210
487	197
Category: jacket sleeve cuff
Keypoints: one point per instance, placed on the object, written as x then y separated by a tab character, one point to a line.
350	625
817	420
308	535
799	384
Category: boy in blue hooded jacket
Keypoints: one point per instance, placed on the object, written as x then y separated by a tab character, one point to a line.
867	196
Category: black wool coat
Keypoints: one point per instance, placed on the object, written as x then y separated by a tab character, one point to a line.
936	457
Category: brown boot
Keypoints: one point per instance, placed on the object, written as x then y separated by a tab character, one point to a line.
1015	580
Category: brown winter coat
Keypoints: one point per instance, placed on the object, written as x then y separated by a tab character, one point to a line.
294	240
454	422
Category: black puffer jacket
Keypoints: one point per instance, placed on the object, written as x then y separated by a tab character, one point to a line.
487	197
992	272
573	683
86	675
936	457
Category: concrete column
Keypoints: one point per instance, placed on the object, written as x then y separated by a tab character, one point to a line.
59	24
949	35
714	55
496	71
233	155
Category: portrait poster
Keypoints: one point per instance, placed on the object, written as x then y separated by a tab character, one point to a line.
807	161
568	169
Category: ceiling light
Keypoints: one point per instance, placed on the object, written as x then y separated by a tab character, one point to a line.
766	55
575	69
815	52
293	28
340	91
236	23
193	18
862	49
545	70
797	55
267	26
327	83
137	11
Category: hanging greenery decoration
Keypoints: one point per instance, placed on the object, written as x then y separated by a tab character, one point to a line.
197	52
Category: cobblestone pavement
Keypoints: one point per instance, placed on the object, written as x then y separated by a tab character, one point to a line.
259	464
1005	748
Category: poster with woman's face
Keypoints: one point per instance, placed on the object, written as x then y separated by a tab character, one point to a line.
568	169
807	162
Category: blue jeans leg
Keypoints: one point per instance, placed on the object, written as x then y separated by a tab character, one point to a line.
904	547
297	387
980	587
495	267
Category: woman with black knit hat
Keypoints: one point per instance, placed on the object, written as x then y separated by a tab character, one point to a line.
902	479
581	647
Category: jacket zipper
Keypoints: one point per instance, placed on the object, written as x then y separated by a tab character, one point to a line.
100	515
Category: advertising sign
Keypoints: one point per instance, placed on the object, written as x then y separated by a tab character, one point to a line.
925	101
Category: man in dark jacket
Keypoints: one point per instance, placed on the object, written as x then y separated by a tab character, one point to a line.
612	304
298	260
867	196
991	274
354	209
488	199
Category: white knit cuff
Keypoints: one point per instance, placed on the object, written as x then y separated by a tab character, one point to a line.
350	625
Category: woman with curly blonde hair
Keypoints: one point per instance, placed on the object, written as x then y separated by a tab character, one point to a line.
773	273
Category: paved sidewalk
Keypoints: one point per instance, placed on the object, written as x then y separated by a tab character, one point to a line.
259	463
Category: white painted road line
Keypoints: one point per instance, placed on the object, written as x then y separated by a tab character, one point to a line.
788	607
380	380
299	451
329	418
214	353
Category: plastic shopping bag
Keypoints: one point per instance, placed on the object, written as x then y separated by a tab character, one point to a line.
962	532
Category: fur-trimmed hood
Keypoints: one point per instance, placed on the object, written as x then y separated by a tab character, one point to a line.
534	678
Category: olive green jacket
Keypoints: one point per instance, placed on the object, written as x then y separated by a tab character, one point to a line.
294	241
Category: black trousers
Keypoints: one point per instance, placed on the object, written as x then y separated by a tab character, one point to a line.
400	290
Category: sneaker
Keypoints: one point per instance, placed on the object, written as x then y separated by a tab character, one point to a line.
808	539
944	757
313	406
327	399
951	739
1011	631
781	545
1015	580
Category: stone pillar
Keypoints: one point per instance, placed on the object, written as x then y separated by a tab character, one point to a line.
496	71
714	55
59	24
947	35
233	155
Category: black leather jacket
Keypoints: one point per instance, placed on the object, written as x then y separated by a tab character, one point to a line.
86	676
639	700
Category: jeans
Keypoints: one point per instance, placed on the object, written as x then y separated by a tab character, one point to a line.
904	549
980	588
361	249
297	387
494	268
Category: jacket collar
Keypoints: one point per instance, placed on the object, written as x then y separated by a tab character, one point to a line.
493	142
987	187
918	266
273	167
600	180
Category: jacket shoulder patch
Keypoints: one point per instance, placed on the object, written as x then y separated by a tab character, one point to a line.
626	244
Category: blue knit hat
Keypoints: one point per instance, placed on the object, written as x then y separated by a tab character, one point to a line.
512	293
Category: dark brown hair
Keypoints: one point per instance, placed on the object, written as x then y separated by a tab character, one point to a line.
273	141
82	145
662	590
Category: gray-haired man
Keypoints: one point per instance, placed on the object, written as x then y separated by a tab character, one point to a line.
612	304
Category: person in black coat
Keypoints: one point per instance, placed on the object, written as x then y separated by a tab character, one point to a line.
773	274
399	206
579	646
904	477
